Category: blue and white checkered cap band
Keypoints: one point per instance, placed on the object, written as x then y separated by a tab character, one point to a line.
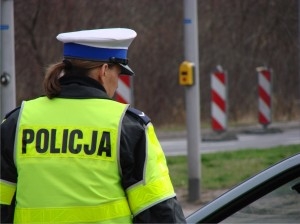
80	51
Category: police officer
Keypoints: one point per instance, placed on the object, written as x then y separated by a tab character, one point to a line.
77	156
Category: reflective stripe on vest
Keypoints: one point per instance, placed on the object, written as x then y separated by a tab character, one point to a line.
67	161
156	185
7	191
110	211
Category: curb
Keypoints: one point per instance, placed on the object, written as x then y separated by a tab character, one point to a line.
210	135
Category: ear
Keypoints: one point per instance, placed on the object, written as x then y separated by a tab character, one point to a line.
102	73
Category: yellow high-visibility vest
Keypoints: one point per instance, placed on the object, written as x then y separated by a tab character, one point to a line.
67	161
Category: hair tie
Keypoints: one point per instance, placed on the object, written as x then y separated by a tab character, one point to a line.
68	64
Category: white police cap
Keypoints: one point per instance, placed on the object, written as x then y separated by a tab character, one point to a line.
107	45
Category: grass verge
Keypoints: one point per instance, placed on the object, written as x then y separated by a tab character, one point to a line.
222	170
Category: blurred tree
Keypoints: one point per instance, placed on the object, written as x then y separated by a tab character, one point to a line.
239	35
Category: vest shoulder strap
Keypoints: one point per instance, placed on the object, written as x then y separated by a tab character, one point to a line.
140	115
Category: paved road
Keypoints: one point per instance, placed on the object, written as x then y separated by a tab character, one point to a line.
178	146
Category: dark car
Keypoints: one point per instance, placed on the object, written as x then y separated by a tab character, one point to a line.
271	196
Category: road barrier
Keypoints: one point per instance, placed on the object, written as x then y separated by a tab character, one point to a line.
264	96
219	107
218	100
124	91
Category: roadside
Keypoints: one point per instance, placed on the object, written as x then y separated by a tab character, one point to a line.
163	134
208	195
205	197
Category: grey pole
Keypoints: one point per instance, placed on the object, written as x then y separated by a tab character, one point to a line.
299	49
1	58
192	96
7	61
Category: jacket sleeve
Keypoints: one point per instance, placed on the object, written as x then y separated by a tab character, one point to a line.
8	169
132	160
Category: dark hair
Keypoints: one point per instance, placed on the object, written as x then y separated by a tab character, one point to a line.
67	67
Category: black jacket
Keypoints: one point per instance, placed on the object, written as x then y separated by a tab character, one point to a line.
132	151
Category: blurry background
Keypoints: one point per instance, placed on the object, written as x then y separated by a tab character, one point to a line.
238	35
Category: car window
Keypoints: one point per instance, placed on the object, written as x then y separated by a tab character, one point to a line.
282	205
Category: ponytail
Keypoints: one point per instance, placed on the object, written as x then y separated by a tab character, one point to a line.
67	67
51	83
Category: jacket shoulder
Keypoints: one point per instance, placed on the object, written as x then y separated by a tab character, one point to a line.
12	112
139	115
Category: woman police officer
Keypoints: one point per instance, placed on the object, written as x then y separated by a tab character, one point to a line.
77	156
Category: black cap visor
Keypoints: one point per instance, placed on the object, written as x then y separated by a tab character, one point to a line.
126	70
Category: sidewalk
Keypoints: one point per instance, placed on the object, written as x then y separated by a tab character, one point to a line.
234	130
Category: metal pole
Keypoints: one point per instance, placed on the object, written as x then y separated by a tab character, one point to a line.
7	64
192	95
299	50
1	58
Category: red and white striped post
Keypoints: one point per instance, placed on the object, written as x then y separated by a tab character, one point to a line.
218	100
124	91
264	95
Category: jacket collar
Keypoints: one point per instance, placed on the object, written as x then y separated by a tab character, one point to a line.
81	87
